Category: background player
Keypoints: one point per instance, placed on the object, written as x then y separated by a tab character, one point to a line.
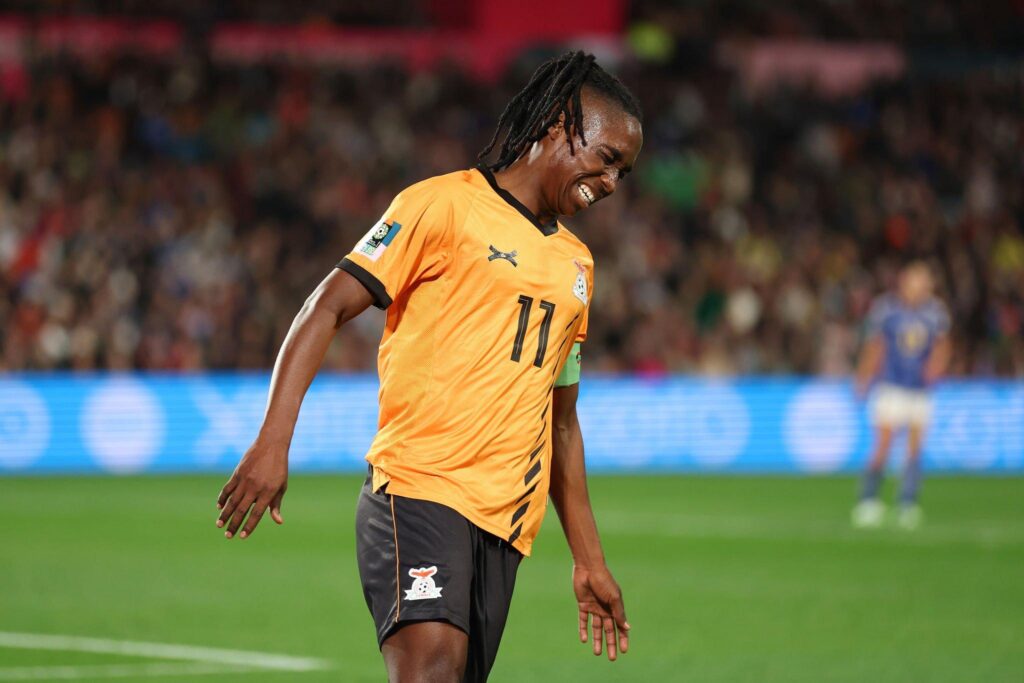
907	350
486	294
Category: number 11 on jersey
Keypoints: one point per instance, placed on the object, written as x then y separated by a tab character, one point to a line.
526	303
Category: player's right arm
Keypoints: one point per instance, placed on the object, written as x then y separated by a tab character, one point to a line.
874	347
870	362
407	245
261	478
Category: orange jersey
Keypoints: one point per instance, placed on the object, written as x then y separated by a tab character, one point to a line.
483	305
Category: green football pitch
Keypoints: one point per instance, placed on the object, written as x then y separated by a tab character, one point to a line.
725	579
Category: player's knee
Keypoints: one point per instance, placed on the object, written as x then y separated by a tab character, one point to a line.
445	666
426	654
436	666
883	443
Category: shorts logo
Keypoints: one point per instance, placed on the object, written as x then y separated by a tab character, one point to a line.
377	239
423	586
579	288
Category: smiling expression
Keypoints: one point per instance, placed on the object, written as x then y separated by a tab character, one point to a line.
578	178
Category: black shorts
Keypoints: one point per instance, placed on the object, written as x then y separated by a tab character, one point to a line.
422	561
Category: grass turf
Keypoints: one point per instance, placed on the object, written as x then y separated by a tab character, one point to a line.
725	579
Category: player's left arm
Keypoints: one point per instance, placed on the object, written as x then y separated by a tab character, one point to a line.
942	351
869	364
597	593
938	360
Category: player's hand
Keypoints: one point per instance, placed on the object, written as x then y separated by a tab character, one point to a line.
600	603
258	483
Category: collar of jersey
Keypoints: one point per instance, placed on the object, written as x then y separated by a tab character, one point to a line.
546	229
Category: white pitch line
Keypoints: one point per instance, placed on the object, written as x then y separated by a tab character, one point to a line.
191	653
67	673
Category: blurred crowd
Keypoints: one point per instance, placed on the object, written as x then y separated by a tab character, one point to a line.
200	15
929	24
175	215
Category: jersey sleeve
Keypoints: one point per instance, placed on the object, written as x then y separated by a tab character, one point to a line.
408	244
581	332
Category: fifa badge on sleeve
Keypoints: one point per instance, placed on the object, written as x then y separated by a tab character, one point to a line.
373	243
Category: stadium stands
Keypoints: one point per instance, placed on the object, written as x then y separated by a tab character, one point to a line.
202	201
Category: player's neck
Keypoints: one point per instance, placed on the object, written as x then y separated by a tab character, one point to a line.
523	181
913	303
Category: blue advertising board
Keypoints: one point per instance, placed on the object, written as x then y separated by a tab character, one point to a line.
73	423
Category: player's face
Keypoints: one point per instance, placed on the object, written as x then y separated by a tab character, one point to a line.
587	174
915	285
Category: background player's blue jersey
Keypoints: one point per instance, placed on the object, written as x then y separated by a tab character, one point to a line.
909	335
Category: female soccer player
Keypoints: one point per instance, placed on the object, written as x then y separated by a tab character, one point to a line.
908	350
487	298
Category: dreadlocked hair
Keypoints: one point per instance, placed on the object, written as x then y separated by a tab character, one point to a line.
553	92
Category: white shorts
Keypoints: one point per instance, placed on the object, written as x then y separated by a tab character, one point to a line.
893	406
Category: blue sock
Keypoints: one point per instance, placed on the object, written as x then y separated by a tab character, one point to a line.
911	481
871	483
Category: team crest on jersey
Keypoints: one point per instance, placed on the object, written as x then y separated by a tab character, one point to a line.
579	288
912	337
373	243
423	586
